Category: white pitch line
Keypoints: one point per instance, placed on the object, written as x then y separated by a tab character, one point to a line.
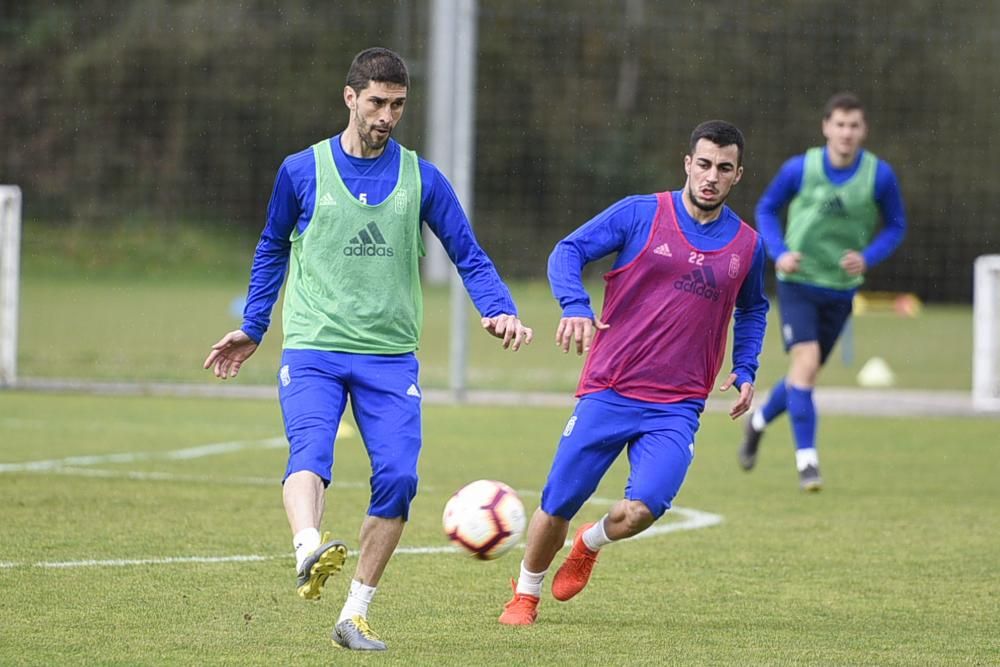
698	519
692	520
123	562
695	519
131	457
187	453
152	476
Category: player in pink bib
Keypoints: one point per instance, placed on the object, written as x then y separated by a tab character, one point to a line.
685	266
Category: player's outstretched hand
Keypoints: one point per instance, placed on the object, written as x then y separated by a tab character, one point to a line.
579	329
229	354
510	329
742	404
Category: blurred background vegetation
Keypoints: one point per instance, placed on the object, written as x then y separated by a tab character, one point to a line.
146	134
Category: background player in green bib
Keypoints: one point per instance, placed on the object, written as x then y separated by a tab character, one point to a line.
835	196
344	220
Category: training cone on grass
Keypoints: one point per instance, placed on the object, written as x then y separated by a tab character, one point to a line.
876	373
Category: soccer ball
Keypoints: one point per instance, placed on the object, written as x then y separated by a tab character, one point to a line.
486	518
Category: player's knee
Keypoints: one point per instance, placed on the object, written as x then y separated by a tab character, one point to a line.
806	361
549	521
638	516
393	489
312	451
562	506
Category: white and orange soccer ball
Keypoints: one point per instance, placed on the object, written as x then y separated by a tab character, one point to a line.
485	517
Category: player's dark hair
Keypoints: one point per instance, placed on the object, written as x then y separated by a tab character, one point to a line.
377	64
845	102
720	133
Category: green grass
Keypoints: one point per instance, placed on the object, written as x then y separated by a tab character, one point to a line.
143	301
894	563
109	327
136	249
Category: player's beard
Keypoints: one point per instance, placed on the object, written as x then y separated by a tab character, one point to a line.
693	196
368	137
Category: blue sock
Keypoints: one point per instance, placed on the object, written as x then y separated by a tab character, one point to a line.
802	413
777	402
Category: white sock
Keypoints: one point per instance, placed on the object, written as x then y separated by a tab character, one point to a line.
806	457
594	537
757	422
530	583
357	601
305	542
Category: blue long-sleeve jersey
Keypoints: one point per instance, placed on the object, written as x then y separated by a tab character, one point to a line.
371	180
624	228
787	183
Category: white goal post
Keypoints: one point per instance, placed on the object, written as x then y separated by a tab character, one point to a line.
10	271
986	334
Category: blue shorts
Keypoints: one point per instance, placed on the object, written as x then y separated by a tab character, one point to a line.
810	313
313	387
660	443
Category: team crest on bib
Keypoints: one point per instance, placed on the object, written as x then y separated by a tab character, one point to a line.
400	201
734	265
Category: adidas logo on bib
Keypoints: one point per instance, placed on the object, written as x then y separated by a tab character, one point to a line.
413	391
369	242
700	282
664	250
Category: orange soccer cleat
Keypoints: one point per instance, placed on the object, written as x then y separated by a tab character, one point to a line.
521	610
574	573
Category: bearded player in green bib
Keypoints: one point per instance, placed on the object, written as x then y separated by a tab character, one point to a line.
344	220
836	195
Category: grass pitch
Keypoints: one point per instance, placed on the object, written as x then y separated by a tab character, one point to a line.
146	530
138	329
